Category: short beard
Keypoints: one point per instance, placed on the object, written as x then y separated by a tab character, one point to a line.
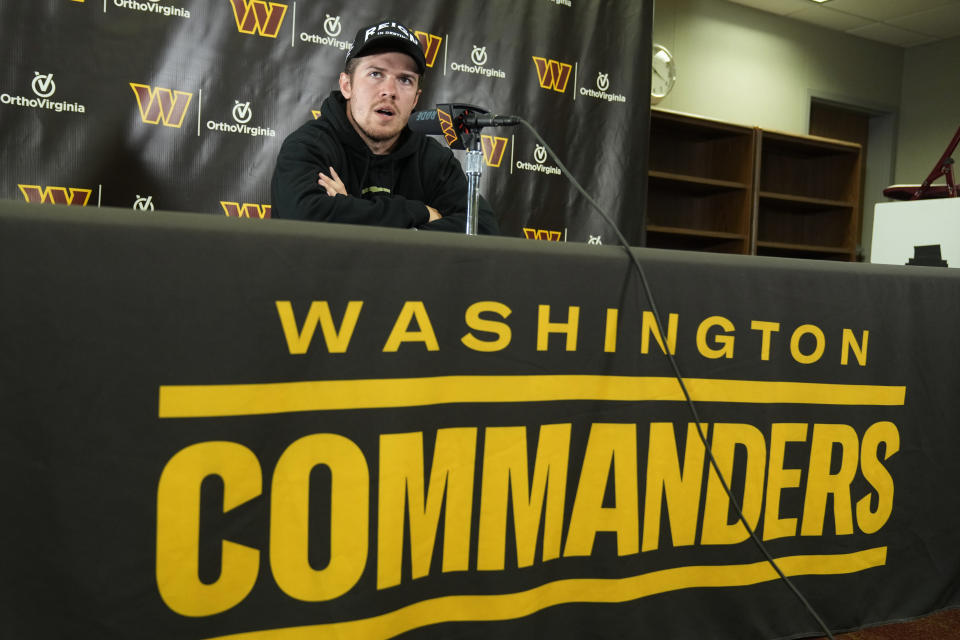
363	132
366	134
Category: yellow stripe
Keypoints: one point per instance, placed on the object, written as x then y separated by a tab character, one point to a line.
196	401
516	605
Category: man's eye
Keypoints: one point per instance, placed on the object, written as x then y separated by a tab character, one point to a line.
375	74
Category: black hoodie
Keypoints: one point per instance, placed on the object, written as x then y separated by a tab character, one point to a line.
390	190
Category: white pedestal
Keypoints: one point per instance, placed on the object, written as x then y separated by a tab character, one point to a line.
898	227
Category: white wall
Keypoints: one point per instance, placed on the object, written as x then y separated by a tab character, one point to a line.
930	109
751	67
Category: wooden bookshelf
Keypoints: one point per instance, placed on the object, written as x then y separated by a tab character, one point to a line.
807	197
715	186
699	184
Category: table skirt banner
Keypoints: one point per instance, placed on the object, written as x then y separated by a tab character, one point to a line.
285	430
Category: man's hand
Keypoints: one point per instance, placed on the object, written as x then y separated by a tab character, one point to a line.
332	183
434	214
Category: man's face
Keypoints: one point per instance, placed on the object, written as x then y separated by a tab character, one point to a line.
381	93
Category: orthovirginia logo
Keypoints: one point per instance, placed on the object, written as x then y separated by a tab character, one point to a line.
152	6
431	46
161	106
246	210
242	114
603	83
43	87
256	16
55	195
552	74
479	58
479	55
332	27
542	234
540	156
493	149
143	203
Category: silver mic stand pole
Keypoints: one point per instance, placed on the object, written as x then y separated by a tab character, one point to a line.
474	171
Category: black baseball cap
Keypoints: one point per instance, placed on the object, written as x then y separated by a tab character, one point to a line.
387	36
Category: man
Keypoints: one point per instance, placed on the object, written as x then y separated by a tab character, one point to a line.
359	163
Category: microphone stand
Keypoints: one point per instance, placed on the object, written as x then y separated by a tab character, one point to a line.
460	125
472	121
473	171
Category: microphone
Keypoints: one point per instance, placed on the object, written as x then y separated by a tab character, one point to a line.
489	120
457	122
426	122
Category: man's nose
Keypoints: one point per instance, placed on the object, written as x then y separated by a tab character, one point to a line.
389	87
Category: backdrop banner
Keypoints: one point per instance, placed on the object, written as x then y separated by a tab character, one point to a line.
182	104
214	428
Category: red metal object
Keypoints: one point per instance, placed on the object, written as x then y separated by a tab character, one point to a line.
924	191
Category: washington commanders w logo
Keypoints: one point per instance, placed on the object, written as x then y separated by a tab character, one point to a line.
55	195
493	148
552	74
161	106
431	46
256	16
541	234
446	125
246	210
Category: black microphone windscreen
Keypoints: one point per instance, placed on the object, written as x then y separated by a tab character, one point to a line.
426	122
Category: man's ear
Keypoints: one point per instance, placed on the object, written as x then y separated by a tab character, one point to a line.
417	99
345	86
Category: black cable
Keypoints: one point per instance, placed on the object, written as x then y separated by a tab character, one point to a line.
683	387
